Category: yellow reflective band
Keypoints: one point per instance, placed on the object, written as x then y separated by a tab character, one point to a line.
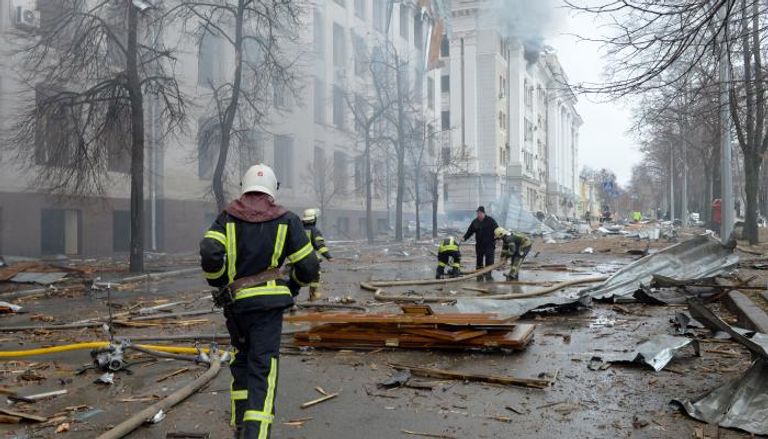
319	239
282	230
447	248
314	284
238	395
270	398
231	251
262	291
212	234
441	264
211	275
301	254
296	279
323	250
257	416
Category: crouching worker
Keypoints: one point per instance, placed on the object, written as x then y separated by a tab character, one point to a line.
318	243
241	254
448	255
515	246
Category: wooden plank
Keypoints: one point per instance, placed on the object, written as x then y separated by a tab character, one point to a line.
23	415
447	374
447	318
446	335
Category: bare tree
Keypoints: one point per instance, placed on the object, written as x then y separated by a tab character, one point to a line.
659	44
327	184
259	33
91	66
448	160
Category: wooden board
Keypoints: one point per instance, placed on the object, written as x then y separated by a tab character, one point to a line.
448	318
22	415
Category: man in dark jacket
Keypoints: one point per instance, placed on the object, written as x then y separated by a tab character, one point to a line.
485	242
241	253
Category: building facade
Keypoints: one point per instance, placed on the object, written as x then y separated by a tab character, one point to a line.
508	108
306	129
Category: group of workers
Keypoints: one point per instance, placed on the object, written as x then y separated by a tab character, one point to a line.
242	254
514	247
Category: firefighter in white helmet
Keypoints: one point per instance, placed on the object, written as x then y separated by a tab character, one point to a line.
318	242
241	254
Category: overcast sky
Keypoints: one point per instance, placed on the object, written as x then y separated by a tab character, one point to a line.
605	141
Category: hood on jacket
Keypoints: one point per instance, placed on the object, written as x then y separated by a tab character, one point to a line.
255	207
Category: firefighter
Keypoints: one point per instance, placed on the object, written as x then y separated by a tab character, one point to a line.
515	246
485	245
318	243
448	255
241	254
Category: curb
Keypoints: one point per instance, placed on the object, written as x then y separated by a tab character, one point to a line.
750	316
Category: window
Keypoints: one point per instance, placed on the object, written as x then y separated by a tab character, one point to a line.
121	230
338	107
342	3
380	15
284	160
209	61
319	167
55	135
340	175
339	49
360	9
404	13
318	33
361	110
445	117
445	83
431	140
445	192
431	93
445	46
360	175
207	140
360	49
279	95
251	149
342	225
319	107
528	130
446	155
60	231
418	90
418	32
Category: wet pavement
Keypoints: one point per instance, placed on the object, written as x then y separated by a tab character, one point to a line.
622	401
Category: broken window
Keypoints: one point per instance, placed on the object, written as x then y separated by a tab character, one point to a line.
445	46
121	230
445	117
209	60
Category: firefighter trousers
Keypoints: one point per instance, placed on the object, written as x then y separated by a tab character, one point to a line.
256	338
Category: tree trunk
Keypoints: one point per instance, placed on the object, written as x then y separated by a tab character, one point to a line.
136	98
368	191
228	119
751	188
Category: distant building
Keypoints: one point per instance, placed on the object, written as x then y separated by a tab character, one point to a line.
506	105
337	39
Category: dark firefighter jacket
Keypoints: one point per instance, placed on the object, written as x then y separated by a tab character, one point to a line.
483	231
317	240
515	242
251	236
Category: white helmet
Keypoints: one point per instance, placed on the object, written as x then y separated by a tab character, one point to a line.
260	178
310	215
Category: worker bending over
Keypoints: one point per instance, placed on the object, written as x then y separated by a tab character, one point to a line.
241	254
515	246
448	255
318	243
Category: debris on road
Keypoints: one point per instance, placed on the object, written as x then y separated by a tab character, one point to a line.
319	400
658	351
416	328
427	372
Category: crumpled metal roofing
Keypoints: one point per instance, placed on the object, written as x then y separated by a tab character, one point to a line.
699	257
658	351
519	307
741	403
